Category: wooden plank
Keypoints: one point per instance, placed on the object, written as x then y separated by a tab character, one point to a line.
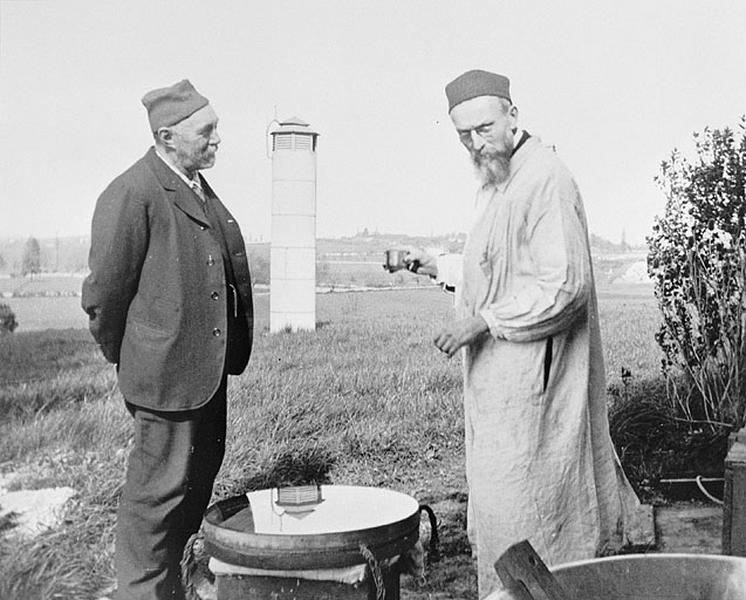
245	587
525	575
639	530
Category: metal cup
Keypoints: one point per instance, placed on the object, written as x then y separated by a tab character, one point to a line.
394	260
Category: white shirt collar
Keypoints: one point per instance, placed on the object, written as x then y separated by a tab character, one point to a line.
518	136
190	182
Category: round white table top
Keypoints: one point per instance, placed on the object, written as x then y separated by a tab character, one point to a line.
308	510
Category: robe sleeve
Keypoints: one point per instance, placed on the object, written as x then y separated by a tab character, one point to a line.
119	241
450	271
551	280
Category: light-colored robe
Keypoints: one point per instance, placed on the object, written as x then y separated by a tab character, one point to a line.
539	459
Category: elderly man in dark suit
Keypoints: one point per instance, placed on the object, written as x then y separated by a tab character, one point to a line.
169	301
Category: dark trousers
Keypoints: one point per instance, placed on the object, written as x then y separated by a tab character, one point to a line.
170	473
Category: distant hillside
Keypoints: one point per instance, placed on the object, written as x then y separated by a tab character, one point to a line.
70	254
601	245
371	245
374	244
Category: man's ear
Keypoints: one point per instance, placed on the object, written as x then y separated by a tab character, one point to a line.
165	136
513	114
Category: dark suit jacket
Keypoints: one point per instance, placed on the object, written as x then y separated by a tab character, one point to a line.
156	295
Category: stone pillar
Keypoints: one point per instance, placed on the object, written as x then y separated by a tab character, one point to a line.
292	304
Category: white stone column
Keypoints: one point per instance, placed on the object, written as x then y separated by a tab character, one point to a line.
292	302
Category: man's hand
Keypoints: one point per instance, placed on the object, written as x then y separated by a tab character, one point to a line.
421	262
111	352
505	595
461	333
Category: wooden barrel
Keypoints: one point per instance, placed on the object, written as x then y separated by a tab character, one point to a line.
268	529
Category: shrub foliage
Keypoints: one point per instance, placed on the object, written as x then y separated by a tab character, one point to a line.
697	260
8	321
31	260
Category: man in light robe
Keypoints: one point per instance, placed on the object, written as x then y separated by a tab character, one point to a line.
540	464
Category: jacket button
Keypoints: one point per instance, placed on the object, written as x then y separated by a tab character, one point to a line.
214	295
210	261
216	332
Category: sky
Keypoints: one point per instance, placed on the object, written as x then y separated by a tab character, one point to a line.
614	86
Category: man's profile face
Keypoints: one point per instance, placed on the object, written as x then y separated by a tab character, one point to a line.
485	127
195	140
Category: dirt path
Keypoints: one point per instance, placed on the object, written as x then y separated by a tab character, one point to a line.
689	527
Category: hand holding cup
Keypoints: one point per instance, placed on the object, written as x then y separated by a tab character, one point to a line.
421	262
394	259
413	259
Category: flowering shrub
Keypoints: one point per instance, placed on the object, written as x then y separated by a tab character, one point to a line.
697	260
8	321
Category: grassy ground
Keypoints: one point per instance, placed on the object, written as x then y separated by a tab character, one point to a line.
367	395
40	314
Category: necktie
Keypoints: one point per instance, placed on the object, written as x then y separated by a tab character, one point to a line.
197	189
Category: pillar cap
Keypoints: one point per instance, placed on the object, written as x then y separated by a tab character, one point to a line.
293	125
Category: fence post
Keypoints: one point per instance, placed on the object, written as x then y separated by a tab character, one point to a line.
734	501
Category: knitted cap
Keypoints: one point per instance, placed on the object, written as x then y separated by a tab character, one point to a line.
167	106
477	83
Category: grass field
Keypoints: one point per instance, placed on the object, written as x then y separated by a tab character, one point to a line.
44	284
367	396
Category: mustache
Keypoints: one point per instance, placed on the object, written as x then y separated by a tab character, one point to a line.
480	157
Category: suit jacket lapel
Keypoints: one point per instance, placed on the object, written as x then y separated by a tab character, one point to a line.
176	190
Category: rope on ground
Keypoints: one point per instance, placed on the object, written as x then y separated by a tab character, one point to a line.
188	568
375	571
433	552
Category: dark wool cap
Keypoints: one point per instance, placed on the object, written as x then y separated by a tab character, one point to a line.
477	83
167	106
